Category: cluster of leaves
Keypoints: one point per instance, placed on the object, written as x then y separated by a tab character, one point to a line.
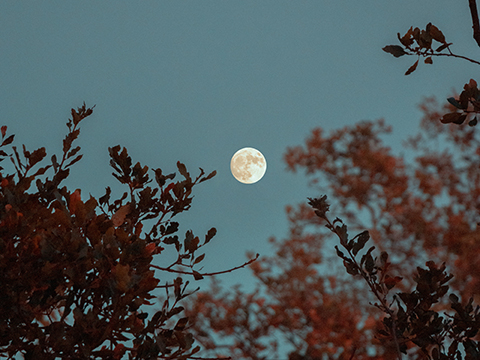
420	42
419	209
412	320
467	106
77	274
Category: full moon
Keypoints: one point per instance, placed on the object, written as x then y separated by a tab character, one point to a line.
248	165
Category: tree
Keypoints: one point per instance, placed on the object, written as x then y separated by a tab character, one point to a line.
77	275
416	211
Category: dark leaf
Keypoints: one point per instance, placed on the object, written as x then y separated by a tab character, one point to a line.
443	47
42	170
428	60
73	152
183	170
362	240
199	258
197	275
436	33
4	131
352	269
191	242
453	298
55	163
8	140
342	233
171	240
181	324
210	234
320	205
209	176
395	50
412	68
74	161
454	117
36	156
175	311
455	103
384	257
369	263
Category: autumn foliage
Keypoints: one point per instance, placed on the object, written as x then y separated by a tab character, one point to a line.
77	274
415	258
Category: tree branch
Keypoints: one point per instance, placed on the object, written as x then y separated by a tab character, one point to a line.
476	24
205	274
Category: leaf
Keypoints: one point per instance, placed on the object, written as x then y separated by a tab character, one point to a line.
78	158
191	242
428	60
412	68
199	258
456	118
209	176
36	156
210	234
383	257
341	232
55	163
320	205
8	140
4	131
442	47
181	324
406	39
395	50
455	103
183	170
197	275
175	311
369	263
119	217
453	298
340	254
171	240
351	268
73	152
436	33
391	282
362	240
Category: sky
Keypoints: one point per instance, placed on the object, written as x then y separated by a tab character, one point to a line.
195	81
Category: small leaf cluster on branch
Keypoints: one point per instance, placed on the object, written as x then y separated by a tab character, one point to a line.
467	106
77	274
420	42
413	321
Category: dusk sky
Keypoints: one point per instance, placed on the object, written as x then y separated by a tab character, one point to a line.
195	81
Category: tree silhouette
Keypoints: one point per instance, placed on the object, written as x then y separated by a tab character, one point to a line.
77	275
418	208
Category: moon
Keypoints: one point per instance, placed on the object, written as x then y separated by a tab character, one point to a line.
248	165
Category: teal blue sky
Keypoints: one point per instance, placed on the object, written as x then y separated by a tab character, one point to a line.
197	80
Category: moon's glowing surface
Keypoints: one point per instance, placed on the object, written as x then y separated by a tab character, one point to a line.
248	165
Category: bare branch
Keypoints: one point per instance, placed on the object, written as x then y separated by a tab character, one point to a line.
206	274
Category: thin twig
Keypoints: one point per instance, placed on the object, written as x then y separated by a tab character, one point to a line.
459	56
206	274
